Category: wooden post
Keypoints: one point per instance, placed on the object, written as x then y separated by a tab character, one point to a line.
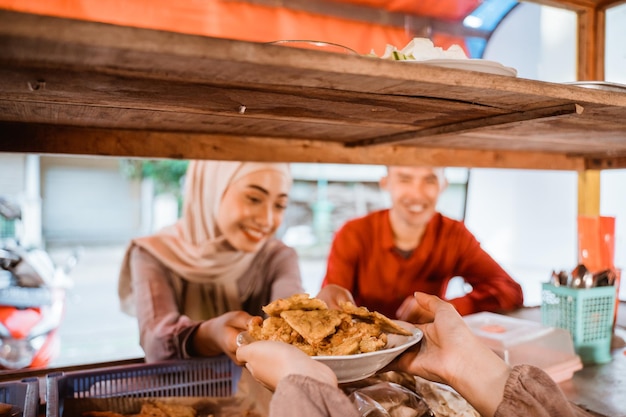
590	67
589	193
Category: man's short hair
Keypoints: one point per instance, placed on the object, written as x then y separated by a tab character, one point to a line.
439	172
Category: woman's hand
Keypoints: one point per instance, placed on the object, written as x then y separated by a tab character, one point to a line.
270	361
219	335
450	353
333	295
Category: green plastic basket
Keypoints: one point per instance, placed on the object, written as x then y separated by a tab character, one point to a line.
586	313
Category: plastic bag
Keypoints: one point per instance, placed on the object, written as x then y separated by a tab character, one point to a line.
388	399
443	400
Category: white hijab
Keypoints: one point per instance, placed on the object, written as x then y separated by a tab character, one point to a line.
193	248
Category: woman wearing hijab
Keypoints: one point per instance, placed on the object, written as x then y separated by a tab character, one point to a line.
194	285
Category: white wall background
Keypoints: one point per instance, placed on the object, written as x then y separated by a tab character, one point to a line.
615	70
527	219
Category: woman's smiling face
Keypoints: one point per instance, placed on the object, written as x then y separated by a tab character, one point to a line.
252	209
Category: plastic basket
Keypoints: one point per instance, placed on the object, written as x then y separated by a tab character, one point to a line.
67	394
22	395
586	313
7	228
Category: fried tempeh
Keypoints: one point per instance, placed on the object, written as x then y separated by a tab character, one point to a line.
386	324
313	325
273	328
295	302
310	325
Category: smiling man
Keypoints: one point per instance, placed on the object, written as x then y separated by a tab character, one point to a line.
387	255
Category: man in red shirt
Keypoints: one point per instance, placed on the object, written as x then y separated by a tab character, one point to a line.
387	255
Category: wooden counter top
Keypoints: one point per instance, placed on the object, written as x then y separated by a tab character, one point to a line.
74	87
599	388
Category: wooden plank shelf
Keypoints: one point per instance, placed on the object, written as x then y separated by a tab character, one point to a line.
76	87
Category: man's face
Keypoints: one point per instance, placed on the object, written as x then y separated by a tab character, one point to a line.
414	192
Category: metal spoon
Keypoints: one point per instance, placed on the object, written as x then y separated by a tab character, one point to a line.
579	278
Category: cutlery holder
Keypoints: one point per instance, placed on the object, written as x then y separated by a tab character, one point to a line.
586	313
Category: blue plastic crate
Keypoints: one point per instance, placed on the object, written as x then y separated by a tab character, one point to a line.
122	389
22	395
586	313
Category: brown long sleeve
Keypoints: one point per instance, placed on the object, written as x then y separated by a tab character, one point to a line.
298	395
529	391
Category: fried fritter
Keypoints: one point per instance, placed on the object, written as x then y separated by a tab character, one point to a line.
313	325
5	409
356	337
151	410
295	302
177	410
308	324
386	324
273	328
339	347
101	414
373	343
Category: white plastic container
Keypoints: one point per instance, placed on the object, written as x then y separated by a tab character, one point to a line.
520	341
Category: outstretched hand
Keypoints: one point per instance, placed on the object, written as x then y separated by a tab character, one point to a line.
333	295
450	353
270	361
446	344
219	335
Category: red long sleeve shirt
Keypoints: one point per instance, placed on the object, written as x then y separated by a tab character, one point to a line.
364	260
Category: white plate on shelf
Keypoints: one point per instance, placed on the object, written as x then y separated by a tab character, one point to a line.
480	65
350	368
600	85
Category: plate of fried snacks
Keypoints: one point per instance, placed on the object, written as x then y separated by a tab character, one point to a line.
8	410
353	341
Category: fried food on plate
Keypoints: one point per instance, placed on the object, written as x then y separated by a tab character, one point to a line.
162	409
101	414
310	325
5	409
295	302
274	328
151	409
313	325
383	321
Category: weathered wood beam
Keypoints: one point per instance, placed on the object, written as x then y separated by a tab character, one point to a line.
590	67
605	162
589	193
471	125
575	5
52	139
591	45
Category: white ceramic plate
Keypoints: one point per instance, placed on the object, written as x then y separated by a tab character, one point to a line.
350	368
480	65
315	45
600	85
